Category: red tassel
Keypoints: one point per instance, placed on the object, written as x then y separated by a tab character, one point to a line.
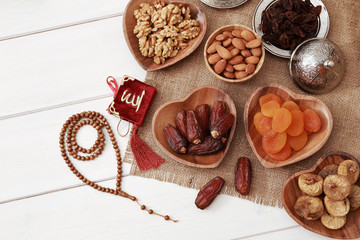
144	156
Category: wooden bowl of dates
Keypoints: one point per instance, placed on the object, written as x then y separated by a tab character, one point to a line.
242	52
167	112
314	141
291	192
171	53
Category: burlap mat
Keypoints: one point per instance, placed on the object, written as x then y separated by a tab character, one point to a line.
176	81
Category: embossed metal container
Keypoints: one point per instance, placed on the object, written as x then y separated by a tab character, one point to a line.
317	65
223	3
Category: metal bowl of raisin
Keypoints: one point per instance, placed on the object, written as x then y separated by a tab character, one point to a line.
284	24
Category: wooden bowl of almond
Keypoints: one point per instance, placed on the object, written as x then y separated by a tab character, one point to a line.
234	53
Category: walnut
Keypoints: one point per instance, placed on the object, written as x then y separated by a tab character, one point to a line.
189	29
163	30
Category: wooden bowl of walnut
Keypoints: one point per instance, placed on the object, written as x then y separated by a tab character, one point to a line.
161	34
234	53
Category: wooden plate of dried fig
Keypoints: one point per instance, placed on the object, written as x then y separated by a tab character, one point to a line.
291	192
314	141
147	63
166	114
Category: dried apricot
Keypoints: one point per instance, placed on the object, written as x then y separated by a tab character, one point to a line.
268	97
297	123
268	109
262	124
303	107
298	142
312	122
284	154
290	105
273	142
281	120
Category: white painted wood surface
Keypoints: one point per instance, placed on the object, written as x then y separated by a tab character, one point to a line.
54	58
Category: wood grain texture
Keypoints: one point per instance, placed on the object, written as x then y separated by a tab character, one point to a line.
19	18
84	213
133	42
291	192
210	41
315	140
62	66
165	114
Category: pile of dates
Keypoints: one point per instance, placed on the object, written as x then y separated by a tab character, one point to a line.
288	23
200	131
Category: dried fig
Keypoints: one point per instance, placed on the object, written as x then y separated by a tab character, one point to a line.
332	222
328	170
310	208
337	187
337	208
350	169
354	198
311	184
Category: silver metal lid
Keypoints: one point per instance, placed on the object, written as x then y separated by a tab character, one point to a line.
317	65
223	3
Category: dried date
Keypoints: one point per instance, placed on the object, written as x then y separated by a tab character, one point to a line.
195	132
222	125
203	113
180	122
176	141
208	193
243	176
208	146
218	109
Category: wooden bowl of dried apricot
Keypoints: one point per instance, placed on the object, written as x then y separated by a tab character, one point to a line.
283	127
234	53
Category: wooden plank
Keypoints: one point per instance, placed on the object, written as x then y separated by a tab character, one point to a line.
293	233
83	213
19	17
30	156
63	66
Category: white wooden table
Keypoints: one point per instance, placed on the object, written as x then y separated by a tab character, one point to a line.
54	59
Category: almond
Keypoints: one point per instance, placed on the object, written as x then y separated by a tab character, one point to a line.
227	42
250	68
220	66
236	60
214	58
234	51
240	74
240	67
227	33
221	37
212	48
247	35
257	52
238	43
253	43
244	41
229	74
231	47
236	33
245	53
252	60
229	67
223	52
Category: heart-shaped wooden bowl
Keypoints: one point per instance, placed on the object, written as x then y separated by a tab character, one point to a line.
315	141
129	22
165	114
211	40
291	192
